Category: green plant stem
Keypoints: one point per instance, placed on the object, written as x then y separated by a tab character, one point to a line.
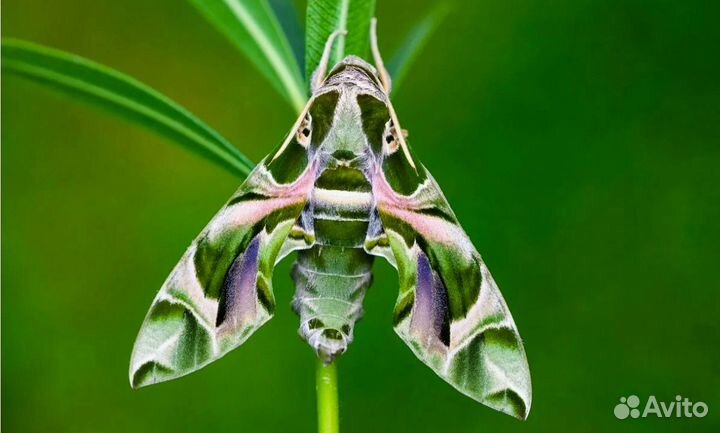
327	398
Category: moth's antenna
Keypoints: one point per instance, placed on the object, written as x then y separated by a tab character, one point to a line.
377	58
319	75
387	85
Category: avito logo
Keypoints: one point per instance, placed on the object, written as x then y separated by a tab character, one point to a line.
680	408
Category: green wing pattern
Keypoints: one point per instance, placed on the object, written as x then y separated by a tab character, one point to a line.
449	310
221	291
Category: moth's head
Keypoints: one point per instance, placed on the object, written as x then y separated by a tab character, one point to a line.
354	72
348	118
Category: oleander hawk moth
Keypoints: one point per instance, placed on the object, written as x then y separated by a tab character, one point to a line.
343	188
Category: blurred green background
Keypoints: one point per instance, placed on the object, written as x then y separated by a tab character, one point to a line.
578	142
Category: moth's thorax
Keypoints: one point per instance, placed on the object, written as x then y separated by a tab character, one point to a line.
345	142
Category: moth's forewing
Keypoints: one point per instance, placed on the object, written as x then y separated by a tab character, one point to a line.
449	310
221	291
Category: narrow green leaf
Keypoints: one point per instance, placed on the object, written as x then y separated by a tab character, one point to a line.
288	15
413	44
252	27
121	94
326	16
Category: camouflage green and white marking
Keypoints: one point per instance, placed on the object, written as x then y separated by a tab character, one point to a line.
342	189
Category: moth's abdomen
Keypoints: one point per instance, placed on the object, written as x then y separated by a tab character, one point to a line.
331	284
332	277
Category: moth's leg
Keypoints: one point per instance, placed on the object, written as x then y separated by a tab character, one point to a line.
377	58
319	75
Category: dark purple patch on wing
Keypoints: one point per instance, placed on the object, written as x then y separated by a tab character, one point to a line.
430	313
239	297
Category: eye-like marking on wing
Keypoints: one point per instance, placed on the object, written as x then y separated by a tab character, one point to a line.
449	310
221	290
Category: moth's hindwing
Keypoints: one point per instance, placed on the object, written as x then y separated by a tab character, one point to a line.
449	310
221	291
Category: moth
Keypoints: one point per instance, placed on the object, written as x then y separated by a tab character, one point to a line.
343	188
